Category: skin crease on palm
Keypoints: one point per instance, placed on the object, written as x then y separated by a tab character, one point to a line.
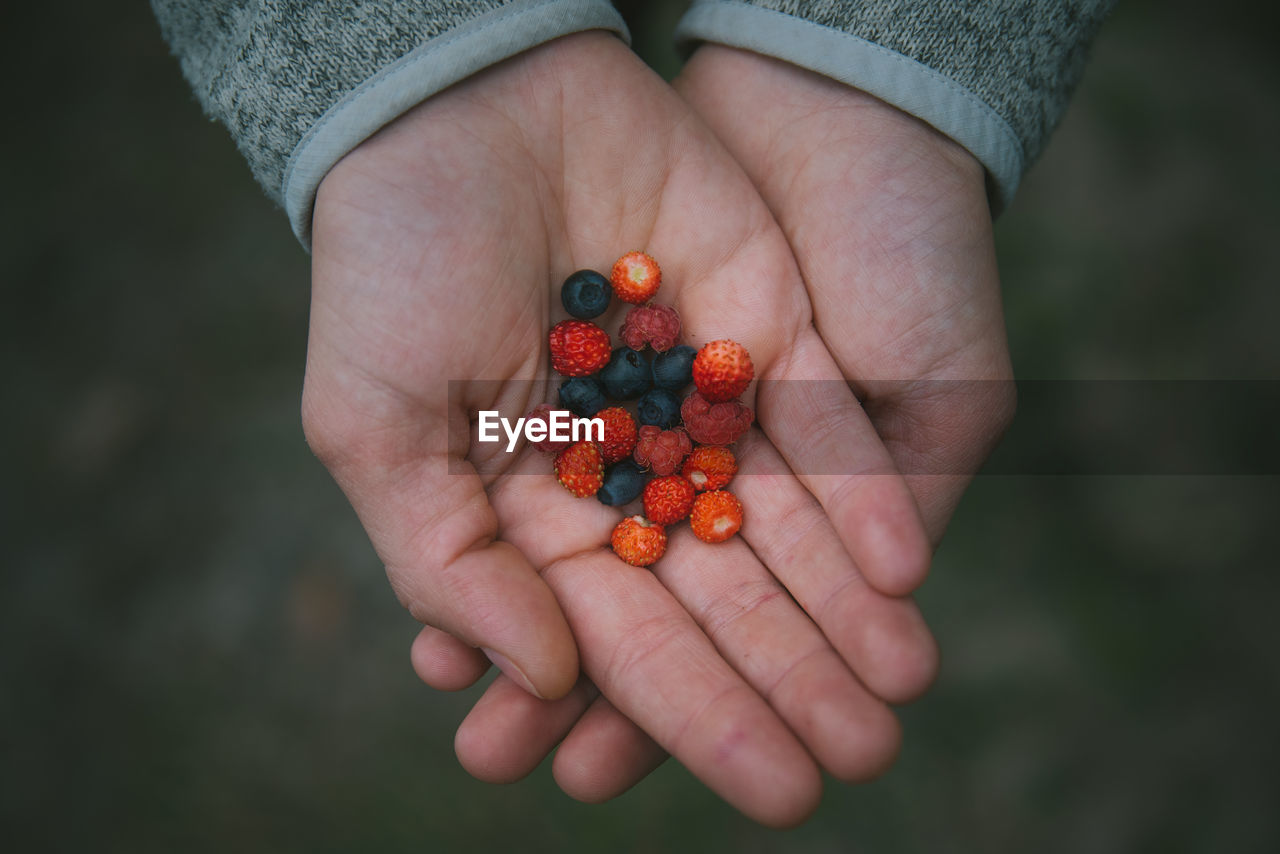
439	245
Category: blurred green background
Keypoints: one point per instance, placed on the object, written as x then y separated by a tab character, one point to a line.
200	651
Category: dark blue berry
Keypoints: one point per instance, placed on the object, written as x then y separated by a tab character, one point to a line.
627	375
582	396
660	407
623	483
586	294
673	370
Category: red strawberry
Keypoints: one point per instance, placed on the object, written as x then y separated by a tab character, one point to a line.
635	277
722	370
715	423
655	325
542	412
580	469
638	541
709	467
662	450
619	434
716	516
578	348
668	499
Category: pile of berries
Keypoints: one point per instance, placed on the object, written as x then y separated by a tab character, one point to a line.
672	452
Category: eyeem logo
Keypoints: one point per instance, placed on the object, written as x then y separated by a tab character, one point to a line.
560	426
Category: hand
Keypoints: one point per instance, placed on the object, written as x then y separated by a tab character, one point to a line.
889	223
439	246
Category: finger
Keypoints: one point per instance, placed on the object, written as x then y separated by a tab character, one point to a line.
444	662
648	657
508	731
430	521
604	755
884	639
778	650
808	411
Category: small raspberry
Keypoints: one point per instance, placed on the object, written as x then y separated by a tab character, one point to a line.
635	277
710	467
715	423
638	541
716	516
542	412
580	469
655	325
578	348
619	434
722	370
660	450
668	499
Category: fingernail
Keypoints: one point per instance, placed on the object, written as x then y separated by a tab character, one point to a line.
513	673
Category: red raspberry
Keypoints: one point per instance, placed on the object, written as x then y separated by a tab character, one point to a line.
710	467
580	469
662	450
579	348
715	423
619	434
635	277
716	516
638	541
722	370
668	499
655	325
542	412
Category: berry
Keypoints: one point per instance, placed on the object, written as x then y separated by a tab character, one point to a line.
655	325
668	499
638	541
627	376
623	484
716	516
619	434
659	407
542	412
715	423
673	369
635	277
586	294
579	469
662	451
709	467
582	396
722	370
578	348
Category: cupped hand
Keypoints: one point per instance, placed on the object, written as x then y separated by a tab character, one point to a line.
439	246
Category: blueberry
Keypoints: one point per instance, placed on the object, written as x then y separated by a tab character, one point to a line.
582	396
627	375
586	294
673	369
623	483
660	407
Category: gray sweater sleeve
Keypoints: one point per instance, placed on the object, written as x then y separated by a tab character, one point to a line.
994	75
299	83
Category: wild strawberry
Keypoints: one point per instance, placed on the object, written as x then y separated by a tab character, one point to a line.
542	412
635	277
619	434
662	451
722	370
655	325
638	541
716	516
709	467
715	423
578	348
668	499
580	469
